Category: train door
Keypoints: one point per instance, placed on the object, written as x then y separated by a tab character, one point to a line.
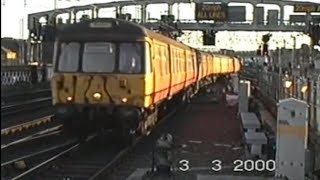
161	75
199	65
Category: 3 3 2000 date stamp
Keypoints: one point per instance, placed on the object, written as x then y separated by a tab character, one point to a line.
237	165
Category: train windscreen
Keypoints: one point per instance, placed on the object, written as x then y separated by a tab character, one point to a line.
130	57
69	57
100	57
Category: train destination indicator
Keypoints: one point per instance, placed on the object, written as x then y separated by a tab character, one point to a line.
306	8
216	12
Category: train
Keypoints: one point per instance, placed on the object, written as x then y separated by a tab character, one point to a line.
116	74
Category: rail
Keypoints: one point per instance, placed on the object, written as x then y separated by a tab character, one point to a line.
27	125
10	97
44	133
11	109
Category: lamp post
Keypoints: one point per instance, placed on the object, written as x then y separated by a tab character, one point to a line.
294	48
293	51
55	5
280	69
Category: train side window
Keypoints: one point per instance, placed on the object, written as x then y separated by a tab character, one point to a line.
99	57
166	51
176	57
183	60
183	65
186	54
166	59
192	59
173	66
178	61
130	57
189	62
163	61
157	59
148	58
69	57
160	60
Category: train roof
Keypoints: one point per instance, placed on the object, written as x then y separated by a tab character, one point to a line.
117	26
104	25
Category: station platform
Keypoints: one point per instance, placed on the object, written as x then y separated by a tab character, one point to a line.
140	174
209	130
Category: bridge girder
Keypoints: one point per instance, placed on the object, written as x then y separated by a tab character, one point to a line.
52	14
193	26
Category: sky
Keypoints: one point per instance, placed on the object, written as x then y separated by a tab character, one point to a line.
14	20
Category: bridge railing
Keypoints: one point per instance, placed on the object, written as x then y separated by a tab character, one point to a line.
247	22
273	87
25	75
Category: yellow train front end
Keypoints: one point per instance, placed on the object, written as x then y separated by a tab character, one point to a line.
100	77
95	101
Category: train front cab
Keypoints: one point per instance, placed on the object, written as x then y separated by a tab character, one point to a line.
103	79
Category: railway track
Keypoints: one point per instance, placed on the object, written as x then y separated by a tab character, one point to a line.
98	158
44	133
91	160
27	95
19	167
22	107
102	155
19	154
25	126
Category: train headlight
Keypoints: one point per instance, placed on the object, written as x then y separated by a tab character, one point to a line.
97	96
69	98
124	100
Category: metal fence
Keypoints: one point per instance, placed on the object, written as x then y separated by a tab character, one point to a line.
25	74
274	87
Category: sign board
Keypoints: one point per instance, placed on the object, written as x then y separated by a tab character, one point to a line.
306	8
236	13
216	12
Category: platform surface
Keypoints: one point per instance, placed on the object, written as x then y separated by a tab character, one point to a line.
210	131
144	174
